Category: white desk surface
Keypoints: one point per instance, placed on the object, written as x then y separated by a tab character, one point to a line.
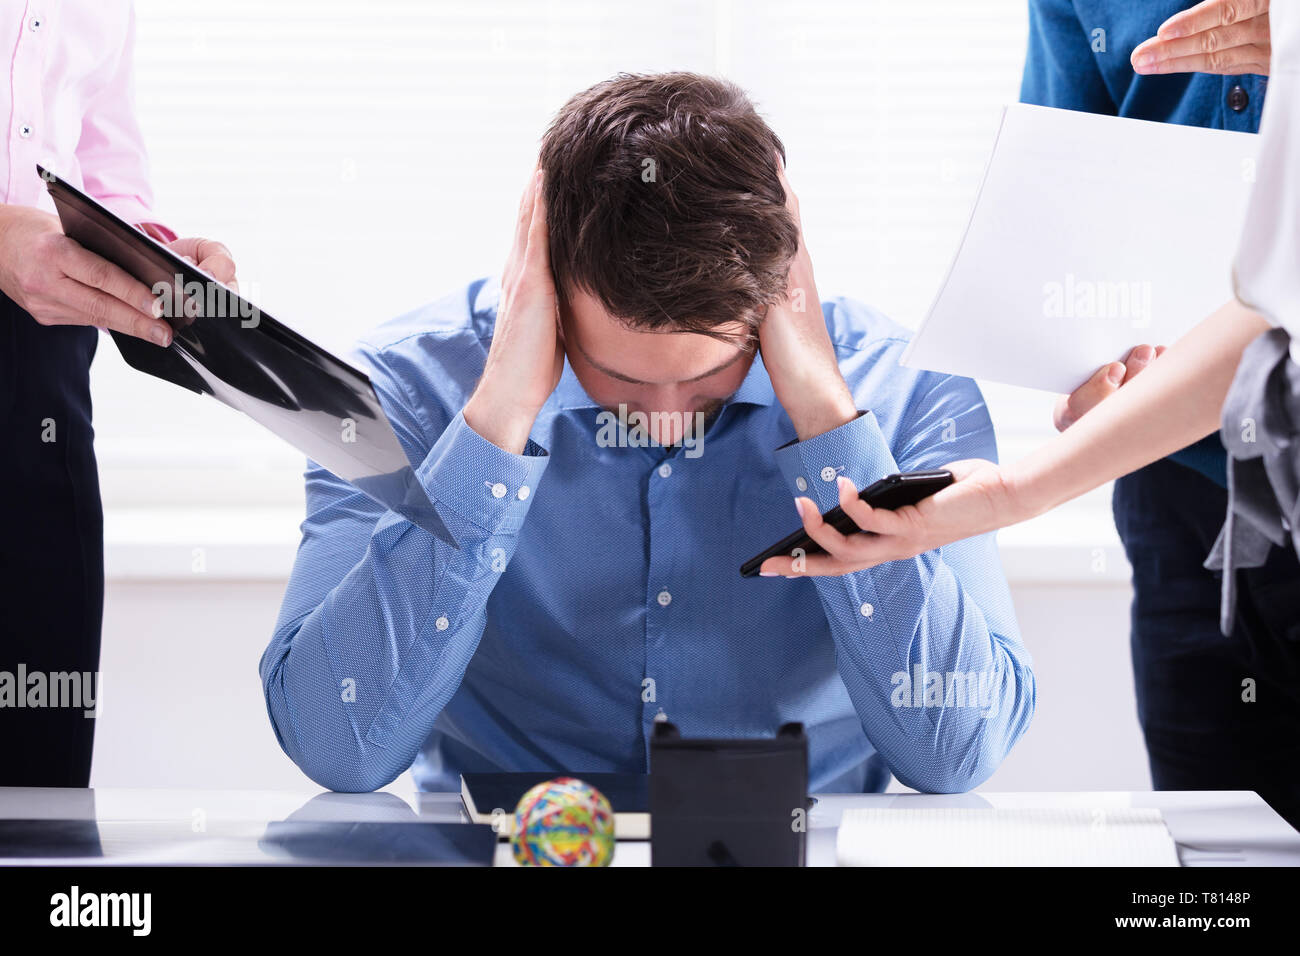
1211	828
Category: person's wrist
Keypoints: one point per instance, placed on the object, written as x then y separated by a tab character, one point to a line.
501	419
7	222
1025	493
823	411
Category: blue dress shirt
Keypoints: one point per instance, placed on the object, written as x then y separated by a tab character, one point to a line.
1079	60
597	587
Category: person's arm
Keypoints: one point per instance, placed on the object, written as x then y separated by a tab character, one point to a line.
1173	403
928	648
946	613
115	164
381	618
54	279
1176	401
111	152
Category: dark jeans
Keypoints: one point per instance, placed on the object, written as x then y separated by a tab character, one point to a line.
1200	733
51	543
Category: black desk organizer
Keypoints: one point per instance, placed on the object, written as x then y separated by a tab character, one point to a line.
725	802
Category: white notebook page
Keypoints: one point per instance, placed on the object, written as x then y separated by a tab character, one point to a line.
1005	837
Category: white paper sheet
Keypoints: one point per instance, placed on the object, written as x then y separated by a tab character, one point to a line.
1090	234
1005	837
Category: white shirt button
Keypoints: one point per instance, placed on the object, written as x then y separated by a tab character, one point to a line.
25	131
665	470
828	473
442	623
867	610
523	493
498	490
664	599
801	483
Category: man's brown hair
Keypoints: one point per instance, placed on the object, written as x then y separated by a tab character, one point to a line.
664	203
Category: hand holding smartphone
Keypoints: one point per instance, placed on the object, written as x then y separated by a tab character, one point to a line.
890	492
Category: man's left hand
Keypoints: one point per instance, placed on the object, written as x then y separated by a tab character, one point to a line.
797	350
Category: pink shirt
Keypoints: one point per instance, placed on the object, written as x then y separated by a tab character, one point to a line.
71	104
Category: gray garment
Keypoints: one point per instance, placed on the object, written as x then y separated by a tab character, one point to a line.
1261	431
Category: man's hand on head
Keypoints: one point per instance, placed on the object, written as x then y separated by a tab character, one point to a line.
527	355
797	349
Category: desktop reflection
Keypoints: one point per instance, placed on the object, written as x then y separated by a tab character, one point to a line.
371	829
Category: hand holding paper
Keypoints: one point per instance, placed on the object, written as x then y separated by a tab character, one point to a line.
1104	383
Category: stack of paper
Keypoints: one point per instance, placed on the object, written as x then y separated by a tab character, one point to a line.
1008	837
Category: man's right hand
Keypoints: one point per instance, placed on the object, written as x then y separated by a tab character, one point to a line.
58	282
527	354
1105	382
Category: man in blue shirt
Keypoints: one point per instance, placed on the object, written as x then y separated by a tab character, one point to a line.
606	444
1217	713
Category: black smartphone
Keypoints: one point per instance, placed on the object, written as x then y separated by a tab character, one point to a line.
892	491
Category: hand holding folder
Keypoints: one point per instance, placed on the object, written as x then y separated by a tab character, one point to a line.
225	346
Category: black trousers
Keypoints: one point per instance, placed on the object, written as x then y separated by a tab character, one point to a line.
51	545
1194	686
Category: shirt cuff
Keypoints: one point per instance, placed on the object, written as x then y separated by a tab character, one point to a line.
481	483
857	450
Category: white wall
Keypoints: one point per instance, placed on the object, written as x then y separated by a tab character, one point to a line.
1085	734
361	159
182	704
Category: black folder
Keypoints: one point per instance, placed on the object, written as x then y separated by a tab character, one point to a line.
226	347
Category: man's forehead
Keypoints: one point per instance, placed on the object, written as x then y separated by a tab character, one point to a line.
641	356
668	373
